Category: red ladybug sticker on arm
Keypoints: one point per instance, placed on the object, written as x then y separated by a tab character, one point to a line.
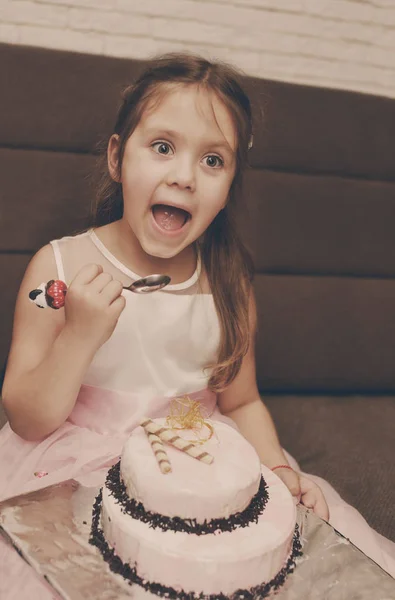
56	293
51	294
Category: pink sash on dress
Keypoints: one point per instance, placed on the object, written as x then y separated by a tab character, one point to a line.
86	445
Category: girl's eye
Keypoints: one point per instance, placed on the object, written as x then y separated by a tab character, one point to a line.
214	161
162	147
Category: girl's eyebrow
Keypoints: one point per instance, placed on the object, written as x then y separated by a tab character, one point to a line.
218	143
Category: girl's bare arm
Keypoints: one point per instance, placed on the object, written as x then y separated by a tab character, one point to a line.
51	350
242	403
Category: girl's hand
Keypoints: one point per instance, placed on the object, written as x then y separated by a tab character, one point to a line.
93	305
305	490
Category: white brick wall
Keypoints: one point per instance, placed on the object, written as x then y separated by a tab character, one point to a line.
347	44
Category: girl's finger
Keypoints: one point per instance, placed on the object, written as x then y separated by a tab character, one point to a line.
98	284
117	306
315	500
112	291
87	274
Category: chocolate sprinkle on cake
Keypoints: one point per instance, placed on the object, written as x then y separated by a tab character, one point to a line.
130	573
136	510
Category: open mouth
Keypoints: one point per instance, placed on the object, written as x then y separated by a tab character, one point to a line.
169	217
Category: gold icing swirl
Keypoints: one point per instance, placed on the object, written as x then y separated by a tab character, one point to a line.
186	413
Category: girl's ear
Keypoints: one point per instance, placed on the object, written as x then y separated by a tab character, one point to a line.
113	158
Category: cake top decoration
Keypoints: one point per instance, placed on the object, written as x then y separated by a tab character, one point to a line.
170	437
186	413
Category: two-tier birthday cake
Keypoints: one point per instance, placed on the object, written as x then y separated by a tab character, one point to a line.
185	517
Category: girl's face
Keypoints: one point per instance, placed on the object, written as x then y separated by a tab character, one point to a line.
177	169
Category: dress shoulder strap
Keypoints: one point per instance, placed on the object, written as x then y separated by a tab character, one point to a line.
58	259
74	251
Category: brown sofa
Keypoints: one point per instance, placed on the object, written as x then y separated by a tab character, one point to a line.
319	218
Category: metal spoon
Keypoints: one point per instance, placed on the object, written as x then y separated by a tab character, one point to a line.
148	284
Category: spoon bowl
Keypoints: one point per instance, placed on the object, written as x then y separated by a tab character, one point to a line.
151	283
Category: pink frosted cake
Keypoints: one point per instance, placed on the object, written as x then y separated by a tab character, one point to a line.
224	529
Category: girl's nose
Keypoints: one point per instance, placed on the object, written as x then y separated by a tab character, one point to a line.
182	174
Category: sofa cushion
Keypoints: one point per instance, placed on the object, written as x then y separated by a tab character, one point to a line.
12	268
319	225
53	197
325	334
67	101
347	440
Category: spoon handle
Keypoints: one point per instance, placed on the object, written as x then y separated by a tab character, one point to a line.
53	293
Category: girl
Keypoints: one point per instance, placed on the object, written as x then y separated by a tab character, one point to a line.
79	380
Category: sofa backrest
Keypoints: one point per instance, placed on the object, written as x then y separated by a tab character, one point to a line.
319	209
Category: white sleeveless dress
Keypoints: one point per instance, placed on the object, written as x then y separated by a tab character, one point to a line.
159	350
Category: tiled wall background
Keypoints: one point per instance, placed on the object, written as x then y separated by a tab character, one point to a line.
347	44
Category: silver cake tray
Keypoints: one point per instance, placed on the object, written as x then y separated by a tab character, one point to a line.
50	529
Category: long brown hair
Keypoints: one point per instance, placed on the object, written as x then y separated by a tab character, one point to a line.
226	261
